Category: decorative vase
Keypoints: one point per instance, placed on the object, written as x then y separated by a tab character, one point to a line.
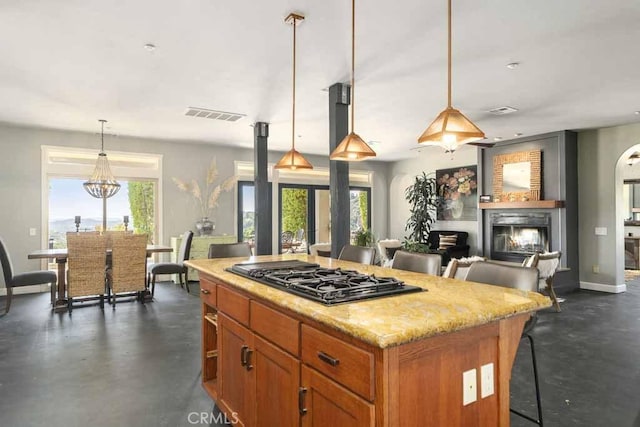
205	226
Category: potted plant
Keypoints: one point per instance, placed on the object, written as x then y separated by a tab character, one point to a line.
423	197
364	237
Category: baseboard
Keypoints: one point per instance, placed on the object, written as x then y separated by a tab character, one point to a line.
33	289
600	287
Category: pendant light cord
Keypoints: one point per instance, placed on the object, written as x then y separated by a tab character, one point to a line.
102	122
353	61
293	108
449	56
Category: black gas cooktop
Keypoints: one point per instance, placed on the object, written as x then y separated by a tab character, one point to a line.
325	285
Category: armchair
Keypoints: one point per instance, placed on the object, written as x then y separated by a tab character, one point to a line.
459	249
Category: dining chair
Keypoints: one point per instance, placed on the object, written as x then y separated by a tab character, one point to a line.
458	268
127	273
515	277
177	267
547	264
12	280
359	254
420	263
229	250
86	260
387	249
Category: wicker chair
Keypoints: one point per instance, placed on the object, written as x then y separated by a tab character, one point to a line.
22	279
128	270
420	263
87	257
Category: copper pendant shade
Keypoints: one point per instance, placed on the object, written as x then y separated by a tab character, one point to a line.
352	147
293	160
451	128
102	184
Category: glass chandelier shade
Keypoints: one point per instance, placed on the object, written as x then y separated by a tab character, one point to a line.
352	148
293	160
451	128
102	184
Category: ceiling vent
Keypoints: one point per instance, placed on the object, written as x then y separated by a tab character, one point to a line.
500	111
213	114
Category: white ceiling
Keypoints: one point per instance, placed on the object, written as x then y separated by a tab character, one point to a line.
65	64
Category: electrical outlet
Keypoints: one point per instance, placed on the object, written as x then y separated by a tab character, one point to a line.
596	268
486	380
469	387
601	231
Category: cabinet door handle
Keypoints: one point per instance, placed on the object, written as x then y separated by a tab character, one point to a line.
243	355
302	391
205	291
328	359
247	359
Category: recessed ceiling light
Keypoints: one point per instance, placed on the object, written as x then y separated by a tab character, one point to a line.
150	47
497	138
518	134
636	113
513	65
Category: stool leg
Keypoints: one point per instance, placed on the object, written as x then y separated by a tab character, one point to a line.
538	421
153	284
552	294
9	294
186	282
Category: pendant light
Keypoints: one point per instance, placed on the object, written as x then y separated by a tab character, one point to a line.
102	184
352	147
451	128
293	160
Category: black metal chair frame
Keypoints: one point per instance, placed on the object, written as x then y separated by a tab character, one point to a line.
501	272
177	267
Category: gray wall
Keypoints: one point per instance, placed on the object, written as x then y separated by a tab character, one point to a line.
401	175
20	182
601	155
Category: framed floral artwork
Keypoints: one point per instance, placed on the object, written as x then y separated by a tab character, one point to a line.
458	192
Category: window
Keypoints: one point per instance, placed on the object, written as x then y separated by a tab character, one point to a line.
246	211
65	169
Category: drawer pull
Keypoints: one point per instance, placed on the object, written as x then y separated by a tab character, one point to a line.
302	391
243	355
205	291
328	359
247	359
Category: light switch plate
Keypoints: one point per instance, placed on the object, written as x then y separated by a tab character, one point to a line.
469	387
601	231
32	231
486	380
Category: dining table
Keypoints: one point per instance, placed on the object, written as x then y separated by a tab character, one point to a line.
61	255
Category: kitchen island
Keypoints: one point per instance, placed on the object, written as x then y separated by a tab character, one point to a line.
272	358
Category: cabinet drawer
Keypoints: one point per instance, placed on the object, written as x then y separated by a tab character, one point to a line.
208	292
233	304
344	363
276	327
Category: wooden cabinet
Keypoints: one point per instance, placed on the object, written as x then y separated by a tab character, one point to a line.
265	365
199	249
327	404
236	393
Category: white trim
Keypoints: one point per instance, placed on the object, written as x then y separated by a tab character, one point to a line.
31	289
601	287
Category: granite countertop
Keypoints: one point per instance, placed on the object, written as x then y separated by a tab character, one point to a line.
449	304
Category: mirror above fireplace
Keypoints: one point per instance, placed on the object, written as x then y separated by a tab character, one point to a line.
517	176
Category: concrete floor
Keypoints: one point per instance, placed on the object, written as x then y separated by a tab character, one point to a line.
140	365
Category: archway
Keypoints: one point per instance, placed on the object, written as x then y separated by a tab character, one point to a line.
623	172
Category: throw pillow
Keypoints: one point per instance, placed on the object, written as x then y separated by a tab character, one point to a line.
447	241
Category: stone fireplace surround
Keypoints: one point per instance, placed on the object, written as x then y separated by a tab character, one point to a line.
559	182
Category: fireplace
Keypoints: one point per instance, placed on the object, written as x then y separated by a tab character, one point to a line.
515	236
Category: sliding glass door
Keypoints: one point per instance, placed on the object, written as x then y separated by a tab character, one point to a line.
305	215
